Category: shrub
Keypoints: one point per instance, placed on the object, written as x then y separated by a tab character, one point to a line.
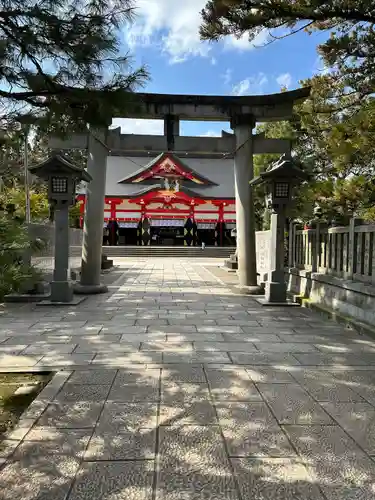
16	273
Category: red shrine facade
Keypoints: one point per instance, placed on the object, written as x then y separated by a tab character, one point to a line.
168	202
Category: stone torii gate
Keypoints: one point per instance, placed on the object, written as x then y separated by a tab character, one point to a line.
242	112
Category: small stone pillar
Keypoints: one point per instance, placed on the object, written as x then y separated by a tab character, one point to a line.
243	173
276	286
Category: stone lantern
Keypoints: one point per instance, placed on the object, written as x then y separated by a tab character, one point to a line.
279	181
62	177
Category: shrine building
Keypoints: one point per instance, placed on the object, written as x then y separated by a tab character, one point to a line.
171	200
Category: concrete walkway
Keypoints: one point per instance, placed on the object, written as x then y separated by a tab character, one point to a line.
172	387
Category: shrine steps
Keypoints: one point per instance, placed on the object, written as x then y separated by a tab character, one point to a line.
167	252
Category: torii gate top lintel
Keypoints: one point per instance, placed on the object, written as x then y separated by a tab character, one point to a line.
269	107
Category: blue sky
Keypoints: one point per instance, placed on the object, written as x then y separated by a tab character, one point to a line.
165	38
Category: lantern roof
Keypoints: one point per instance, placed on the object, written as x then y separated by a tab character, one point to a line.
284	168
58	164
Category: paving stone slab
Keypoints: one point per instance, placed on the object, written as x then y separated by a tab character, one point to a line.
275	478
13	349
268	374
196	357
251	338
184	373
225	346
361	382
228	385
219	329
336	359
51	349
121	360
323	387
39	477
338	465
250	430
119	348
287	347
193	465
243	358
61	360
261	330
358	420
129	480
123	330
165	346
187	413
134	393
93	377
292	405
127	417
182	391
38	340
77	392
139	376
73	415
313	339
172	329
124	445
142	337
9	360
195	337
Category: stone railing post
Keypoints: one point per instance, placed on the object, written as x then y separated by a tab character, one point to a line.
292	245
316	249
352	261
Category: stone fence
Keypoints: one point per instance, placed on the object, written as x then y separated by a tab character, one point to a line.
335	267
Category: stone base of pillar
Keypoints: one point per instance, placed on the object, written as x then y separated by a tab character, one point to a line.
275	292
289	303
232	262
251	290
80	289
61	291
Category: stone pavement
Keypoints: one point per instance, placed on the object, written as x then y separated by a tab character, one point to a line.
172	387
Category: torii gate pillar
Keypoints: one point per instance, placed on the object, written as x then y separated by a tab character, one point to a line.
243	173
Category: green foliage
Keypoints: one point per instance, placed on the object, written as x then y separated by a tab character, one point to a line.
61	64
39	206
336	148
14	244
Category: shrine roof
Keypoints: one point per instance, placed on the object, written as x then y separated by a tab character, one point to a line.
150	169
189	192
219	171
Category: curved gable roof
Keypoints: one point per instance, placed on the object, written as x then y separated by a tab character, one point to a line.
166	164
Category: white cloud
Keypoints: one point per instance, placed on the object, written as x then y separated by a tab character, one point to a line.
211	133
250	85
174	28
213	61
284	80
227	76
138	126
243	43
